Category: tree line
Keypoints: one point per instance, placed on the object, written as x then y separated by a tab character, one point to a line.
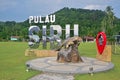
90	23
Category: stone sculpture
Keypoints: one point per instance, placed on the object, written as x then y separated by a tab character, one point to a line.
68	50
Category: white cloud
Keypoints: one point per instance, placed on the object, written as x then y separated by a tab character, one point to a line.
25	8
42	7
95	7
6	4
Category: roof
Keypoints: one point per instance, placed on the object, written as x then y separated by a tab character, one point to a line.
88	37
15	36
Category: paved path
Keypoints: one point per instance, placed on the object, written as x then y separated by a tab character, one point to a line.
53	76
61	71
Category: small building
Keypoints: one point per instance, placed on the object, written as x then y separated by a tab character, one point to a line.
14	38
88	39
117	38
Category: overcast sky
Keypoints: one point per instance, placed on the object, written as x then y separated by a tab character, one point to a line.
20	10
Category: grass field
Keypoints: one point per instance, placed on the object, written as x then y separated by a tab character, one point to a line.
12	62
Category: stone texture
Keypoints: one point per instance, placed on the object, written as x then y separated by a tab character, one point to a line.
52	76
49	64
53	70
68	50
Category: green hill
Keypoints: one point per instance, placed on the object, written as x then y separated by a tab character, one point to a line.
89	20
89	23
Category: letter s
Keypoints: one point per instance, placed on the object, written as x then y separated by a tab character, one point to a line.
34	40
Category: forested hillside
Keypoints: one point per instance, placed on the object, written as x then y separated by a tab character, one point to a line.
90	23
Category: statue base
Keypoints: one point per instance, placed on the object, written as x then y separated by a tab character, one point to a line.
50	65
40	53
106	55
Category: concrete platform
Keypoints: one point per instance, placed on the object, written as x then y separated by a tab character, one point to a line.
49	64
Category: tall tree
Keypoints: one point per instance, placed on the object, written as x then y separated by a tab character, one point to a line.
107	22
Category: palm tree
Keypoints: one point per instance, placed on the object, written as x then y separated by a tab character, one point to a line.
110	15
107	22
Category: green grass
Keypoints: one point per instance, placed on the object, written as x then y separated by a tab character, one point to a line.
89	49
12	62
